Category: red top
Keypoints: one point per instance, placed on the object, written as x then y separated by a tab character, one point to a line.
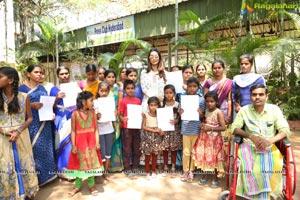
123	106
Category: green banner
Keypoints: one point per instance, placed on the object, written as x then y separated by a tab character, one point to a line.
113	31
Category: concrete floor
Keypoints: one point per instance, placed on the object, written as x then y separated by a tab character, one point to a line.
159	188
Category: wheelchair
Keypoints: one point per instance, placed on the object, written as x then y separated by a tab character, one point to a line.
289	169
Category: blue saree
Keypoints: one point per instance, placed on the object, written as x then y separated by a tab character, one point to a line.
42	138
62	123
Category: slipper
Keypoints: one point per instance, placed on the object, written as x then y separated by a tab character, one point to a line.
93	191
74	191
202	181
215	184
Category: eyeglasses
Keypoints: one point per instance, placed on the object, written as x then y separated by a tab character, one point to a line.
154	57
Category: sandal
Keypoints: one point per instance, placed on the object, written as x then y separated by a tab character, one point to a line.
190	177
74	191
93	191
202	181
215	184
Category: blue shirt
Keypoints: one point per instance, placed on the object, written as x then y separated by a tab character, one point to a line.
192	127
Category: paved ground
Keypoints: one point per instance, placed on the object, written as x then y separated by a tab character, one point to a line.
160	188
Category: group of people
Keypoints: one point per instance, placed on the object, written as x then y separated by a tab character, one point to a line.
78	145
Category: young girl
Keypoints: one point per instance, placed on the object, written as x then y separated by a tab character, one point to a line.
208	151
85	160
132	74
116	161
106	130
15	150
151	136
172	140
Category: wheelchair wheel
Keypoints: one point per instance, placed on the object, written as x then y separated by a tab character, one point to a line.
289	173
224	195
293	178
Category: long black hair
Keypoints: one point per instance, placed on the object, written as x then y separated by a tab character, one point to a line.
171	87
85	95
107	72
91	68
149	68
213	95
13	106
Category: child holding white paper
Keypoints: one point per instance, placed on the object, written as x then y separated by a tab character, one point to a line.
106	130
151	136
208	151
131	138
172	140
190	130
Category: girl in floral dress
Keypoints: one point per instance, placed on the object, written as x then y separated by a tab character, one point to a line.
172	140
151	137
208	151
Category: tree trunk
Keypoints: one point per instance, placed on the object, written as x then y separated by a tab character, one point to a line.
48	68
292	76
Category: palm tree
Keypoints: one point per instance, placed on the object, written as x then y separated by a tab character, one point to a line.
229	49
116	60
45	45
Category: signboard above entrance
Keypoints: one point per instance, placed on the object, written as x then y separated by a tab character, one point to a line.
110	32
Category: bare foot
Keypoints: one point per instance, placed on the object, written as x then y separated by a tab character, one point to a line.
93	191
106	177
74	191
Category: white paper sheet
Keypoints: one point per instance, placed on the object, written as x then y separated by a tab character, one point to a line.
175	78
106	106
71	90
46	111
134	114
190	105
164	116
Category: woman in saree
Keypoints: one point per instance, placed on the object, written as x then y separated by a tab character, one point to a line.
91	82
222	86
116	161
15	151
41	133
62	123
